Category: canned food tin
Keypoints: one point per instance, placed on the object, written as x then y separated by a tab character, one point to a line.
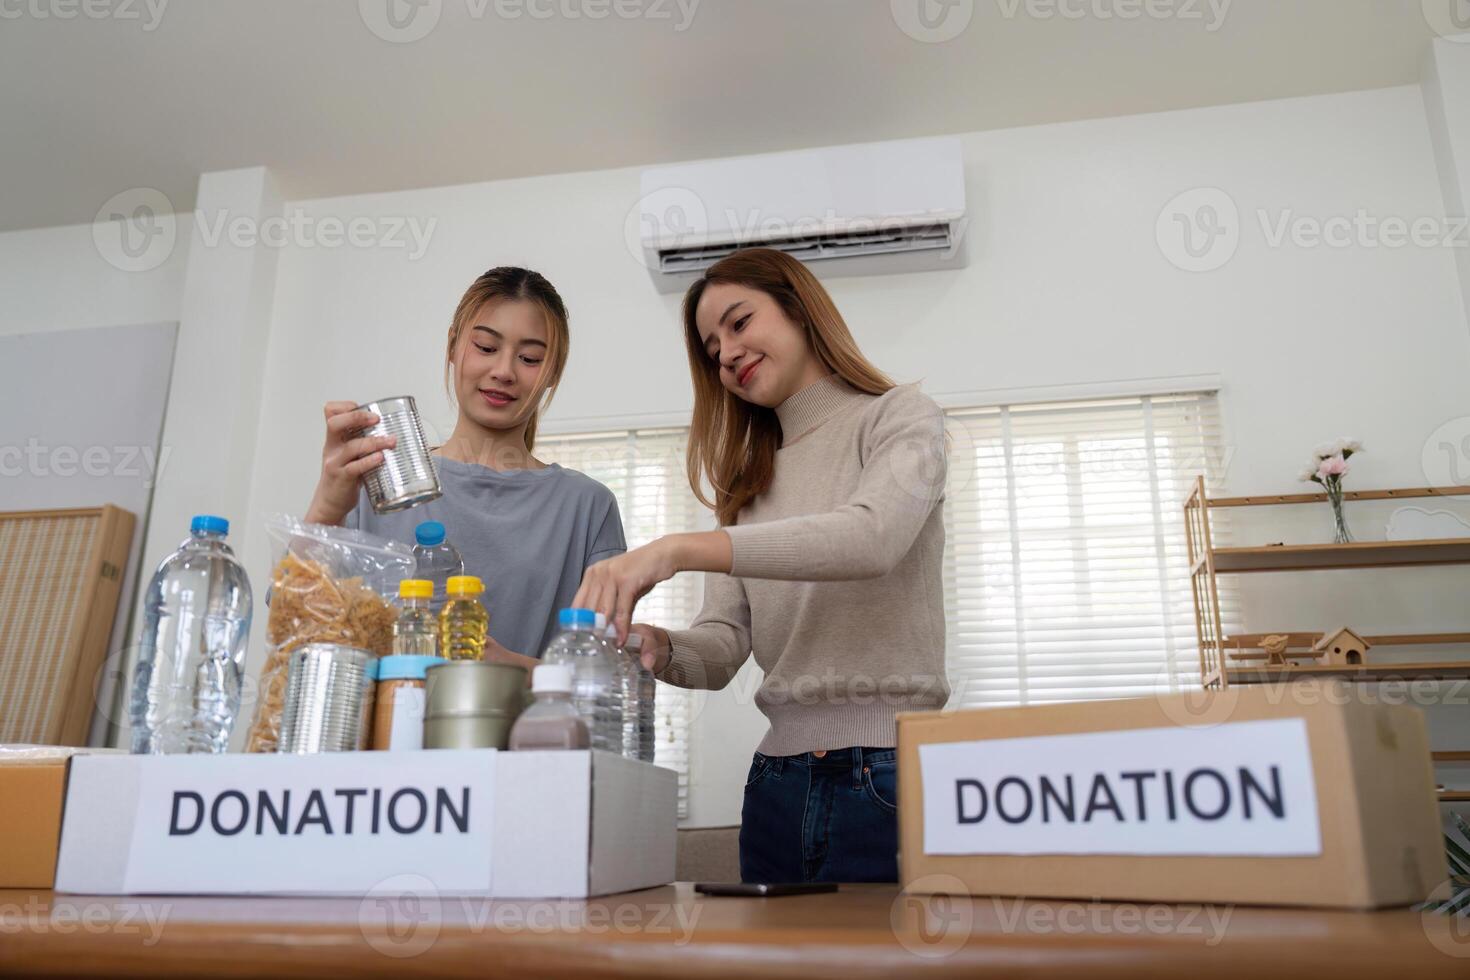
329	697
487	730
406	476
472	704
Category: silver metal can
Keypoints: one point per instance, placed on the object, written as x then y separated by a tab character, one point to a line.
486	730
406	476
329	700
470	704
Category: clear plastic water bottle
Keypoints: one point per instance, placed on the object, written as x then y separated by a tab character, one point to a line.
196	622
630	690
647	699
437	560
594	676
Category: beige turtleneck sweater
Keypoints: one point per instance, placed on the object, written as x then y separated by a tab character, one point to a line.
836	583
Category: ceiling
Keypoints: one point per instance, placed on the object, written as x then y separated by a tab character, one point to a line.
337	98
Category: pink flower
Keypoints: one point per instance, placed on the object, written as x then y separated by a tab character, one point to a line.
1332	466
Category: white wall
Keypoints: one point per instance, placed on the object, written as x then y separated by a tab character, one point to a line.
56	279
1067	285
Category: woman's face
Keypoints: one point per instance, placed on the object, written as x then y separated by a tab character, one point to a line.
499	361
763	357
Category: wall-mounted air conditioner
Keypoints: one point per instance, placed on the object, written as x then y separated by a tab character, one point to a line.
847	210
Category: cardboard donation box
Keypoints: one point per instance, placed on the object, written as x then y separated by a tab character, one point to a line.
1301	794
445	822
32	789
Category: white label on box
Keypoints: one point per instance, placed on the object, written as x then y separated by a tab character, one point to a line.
340	822
1244	788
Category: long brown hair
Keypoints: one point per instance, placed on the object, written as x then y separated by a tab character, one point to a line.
733	443
512	282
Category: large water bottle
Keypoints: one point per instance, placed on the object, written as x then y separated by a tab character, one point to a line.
196	621
436	559
594	676
647	701
628	692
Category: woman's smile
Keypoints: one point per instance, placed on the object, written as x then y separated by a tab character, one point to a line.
497	398
747	372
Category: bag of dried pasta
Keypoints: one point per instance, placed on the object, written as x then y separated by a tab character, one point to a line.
328	585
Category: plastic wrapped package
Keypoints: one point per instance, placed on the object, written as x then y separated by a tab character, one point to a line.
328	585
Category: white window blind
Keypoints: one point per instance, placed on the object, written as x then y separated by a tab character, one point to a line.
644	468
1065	574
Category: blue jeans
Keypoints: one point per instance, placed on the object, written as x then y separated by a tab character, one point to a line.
828	817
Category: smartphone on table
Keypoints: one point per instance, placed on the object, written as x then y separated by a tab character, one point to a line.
760	889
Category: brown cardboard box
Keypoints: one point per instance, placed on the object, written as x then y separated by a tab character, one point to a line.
1377	830
32	794
30	822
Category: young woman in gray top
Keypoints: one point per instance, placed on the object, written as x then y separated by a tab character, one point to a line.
526	528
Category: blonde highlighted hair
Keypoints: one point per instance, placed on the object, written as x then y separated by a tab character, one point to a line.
733	443
508	282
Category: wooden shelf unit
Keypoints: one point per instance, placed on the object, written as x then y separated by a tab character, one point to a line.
1364	672
1206	563
1358	554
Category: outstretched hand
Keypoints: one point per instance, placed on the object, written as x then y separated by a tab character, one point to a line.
613	587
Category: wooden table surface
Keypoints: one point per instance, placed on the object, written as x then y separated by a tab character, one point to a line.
862	931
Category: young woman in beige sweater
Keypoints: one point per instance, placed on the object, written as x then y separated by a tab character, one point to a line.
827	481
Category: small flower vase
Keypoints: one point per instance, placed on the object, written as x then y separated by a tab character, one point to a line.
1339	524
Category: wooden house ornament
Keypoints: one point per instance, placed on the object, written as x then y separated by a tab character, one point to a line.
1341	648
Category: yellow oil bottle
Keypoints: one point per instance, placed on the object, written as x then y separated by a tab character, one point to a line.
463	622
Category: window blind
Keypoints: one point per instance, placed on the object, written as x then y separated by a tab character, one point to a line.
644	468
1065	575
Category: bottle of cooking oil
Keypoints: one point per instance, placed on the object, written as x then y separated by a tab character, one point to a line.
416	633
463	622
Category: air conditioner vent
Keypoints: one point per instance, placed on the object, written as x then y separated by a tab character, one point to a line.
817	246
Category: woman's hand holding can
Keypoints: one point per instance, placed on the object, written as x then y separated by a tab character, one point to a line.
346	456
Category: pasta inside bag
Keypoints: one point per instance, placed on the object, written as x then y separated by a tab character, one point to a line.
328	585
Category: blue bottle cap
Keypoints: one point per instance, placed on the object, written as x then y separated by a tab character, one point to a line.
577	617
405	667
210	524
429	533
